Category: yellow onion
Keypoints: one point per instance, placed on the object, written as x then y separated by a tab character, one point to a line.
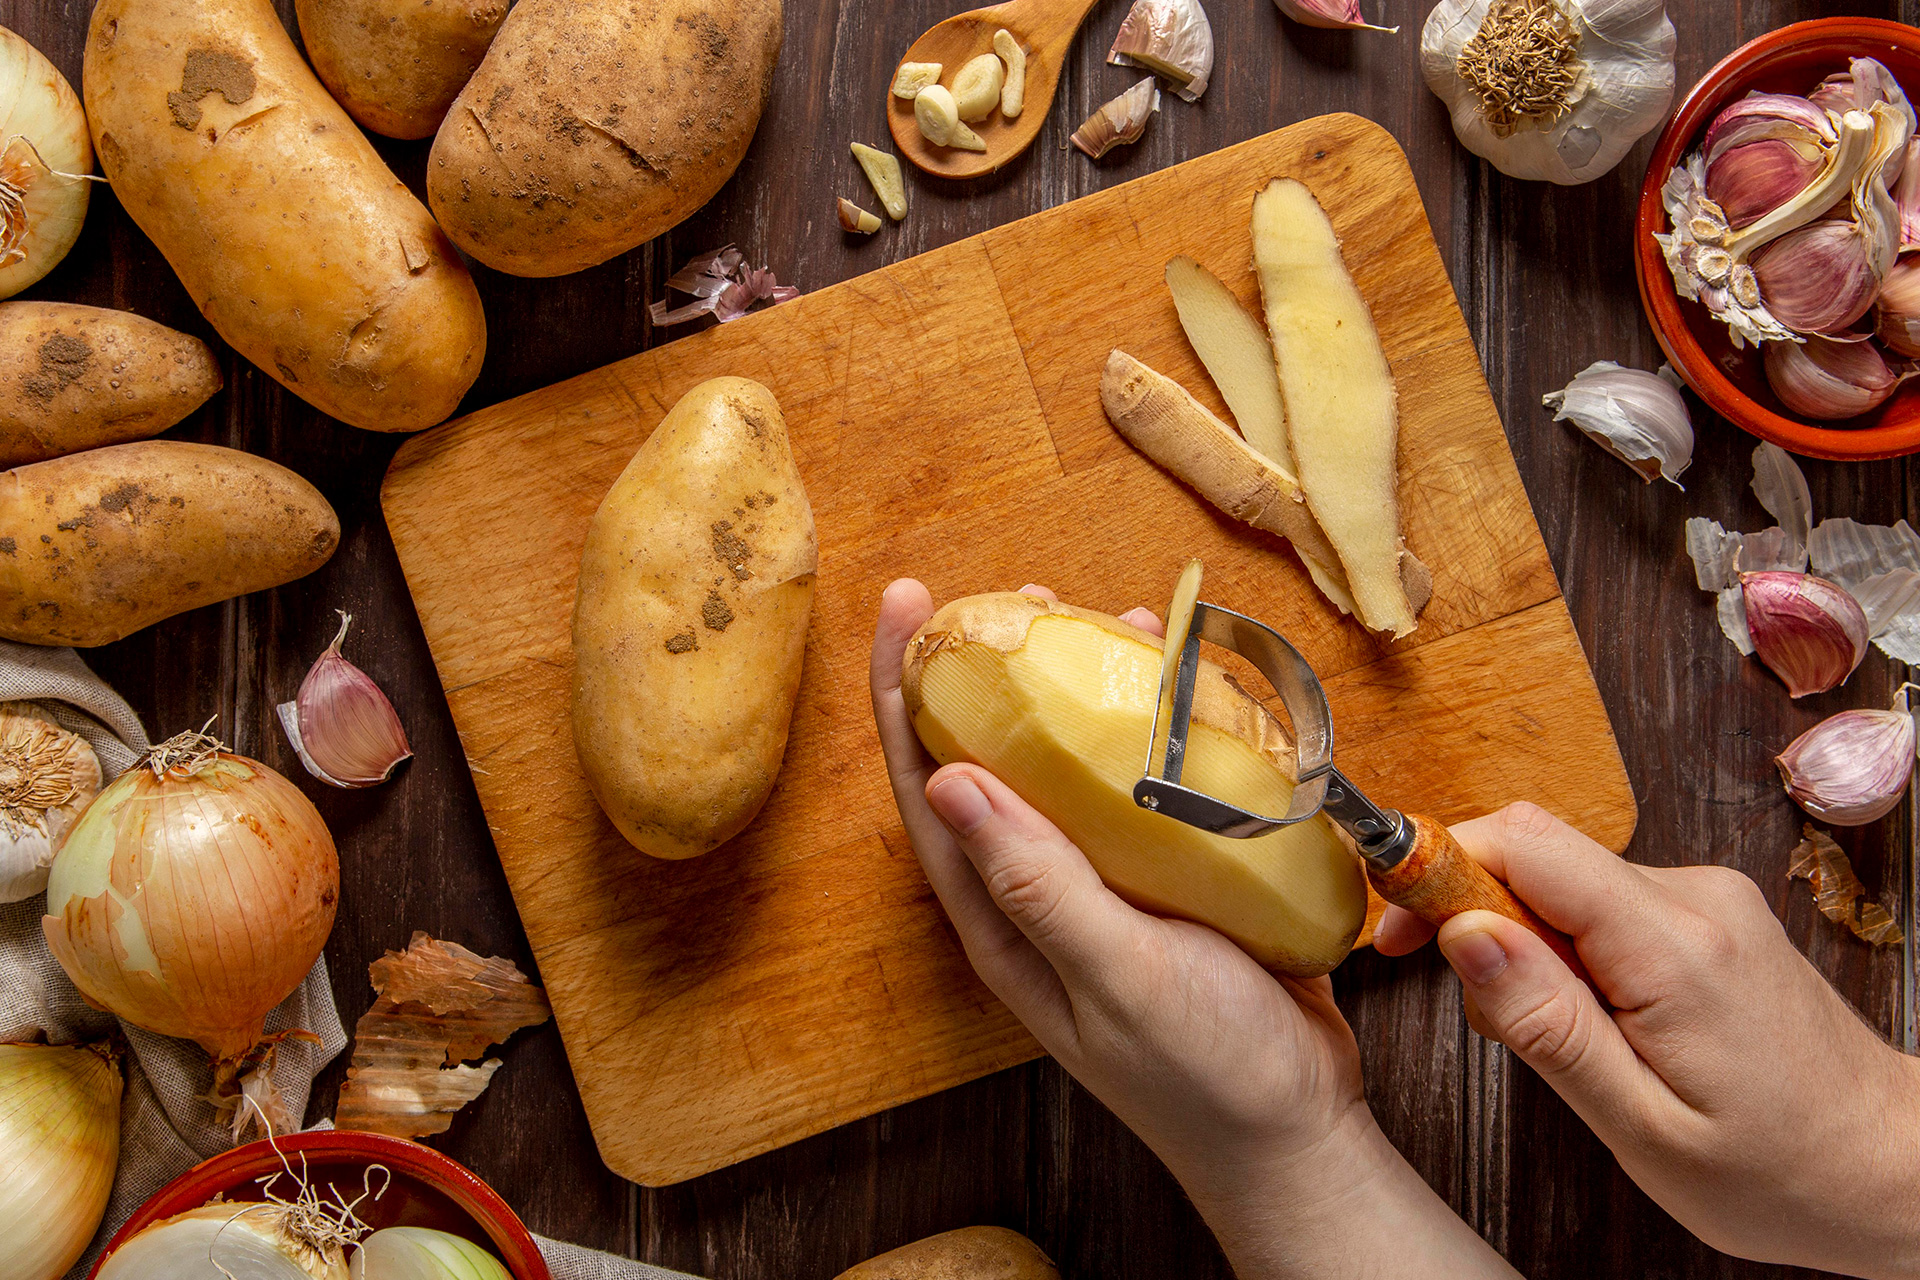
271	1240
194	894
59	1145
44	156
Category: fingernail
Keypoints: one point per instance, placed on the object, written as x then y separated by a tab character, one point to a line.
960	804
1477	957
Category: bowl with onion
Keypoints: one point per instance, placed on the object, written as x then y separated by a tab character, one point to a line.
419	1215
1825	377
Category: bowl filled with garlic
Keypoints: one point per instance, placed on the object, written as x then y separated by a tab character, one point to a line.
1777	244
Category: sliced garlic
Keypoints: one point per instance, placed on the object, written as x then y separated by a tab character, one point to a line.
883	174
938	117
1013	93
1853	767
976	87
854	218
1636	416
1168	37
45	155
47	777
912	77
1119	121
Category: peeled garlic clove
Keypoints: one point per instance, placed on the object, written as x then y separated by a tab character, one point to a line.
1810	632
1896	319
1818	279
1758	177
340	724
1013	92
45	155
1852	767
1337	15
1829	380
1636	416
47	777
1171	38
938	117
912	77
1119	121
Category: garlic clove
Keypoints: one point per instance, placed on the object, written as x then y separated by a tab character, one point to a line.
1828	380
340	724
1896	320
1810	632
912	77
1818	279
1784	117
1333	15
1120	121
47	777
1853	767
976	87
1168	37
1758	177
1636	416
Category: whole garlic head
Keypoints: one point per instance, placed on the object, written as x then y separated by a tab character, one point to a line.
1550	90
47	777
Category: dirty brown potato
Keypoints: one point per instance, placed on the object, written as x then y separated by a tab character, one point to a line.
74	378
690	621
595	125
971	1253
294	238
96	545
397	65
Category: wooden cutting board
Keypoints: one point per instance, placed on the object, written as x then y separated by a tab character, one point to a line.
945	415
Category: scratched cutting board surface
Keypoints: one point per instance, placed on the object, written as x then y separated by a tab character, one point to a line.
945	415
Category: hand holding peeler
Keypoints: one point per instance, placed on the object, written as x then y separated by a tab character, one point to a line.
1412	860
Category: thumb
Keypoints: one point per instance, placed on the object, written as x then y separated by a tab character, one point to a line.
1527	999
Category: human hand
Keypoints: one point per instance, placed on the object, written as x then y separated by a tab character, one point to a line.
1246	1085
1730	1080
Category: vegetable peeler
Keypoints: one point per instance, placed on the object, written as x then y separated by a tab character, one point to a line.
1412	860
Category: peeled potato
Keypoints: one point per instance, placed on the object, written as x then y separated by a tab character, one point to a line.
1058	703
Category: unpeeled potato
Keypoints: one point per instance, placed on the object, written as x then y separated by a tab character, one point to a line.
690	622
971	1253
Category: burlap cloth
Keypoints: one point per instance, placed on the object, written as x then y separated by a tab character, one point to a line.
166	1126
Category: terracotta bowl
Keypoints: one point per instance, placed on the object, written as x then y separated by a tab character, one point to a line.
428	1190
1790	60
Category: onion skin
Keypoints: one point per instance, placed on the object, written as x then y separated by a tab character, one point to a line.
60	1128
235	879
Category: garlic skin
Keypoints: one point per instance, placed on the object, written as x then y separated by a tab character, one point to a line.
340	724
45	153
1329	15
1168	37
1589	77
1758	177
1120	121
1810	632
47	777
1828	380
1853	767
1636	416
60	1128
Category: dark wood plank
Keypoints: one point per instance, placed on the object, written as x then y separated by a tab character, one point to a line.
1028	1148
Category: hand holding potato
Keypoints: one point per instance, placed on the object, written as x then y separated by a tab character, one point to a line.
1246	1085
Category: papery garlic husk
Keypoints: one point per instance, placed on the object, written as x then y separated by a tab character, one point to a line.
239	1240
1329	15
47	776
1853	767
1818	279
1550	90
60	1135
1810	632
1896	320
45	155
419	1253
1171	38
1636	416
340	724
1119	121
1829	380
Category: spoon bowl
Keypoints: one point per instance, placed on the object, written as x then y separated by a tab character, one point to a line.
1044	28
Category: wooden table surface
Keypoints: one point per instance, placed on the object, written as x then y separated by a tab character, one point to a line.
1544	277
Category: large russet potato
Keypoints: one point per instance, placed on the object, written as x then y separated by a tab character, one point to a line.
690	622
293	237
397	65
593	126
74	377
971	1253
96	545
1058	703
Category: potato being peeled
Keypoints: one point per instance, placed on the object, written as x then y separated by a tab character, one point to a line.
1058	703
690	620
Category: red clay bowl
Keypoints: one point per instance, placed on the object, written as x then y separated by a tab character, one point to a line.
428	1190
1790	60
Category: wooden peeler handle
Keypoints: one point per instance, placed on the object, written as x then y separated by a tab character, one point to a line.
1438	880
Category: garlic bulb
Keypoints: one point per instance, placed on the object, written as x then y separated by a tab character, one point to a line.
1829	380
44	156
1171	38
1550	90
236	1240
47	776
1636	416
1853	767
59	1146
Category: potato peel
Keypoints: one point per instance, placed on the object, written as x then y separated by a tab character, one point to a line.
440	1005
1837	890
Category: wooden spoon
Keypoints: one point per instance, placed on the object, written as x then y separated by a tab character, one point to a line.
1044	28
